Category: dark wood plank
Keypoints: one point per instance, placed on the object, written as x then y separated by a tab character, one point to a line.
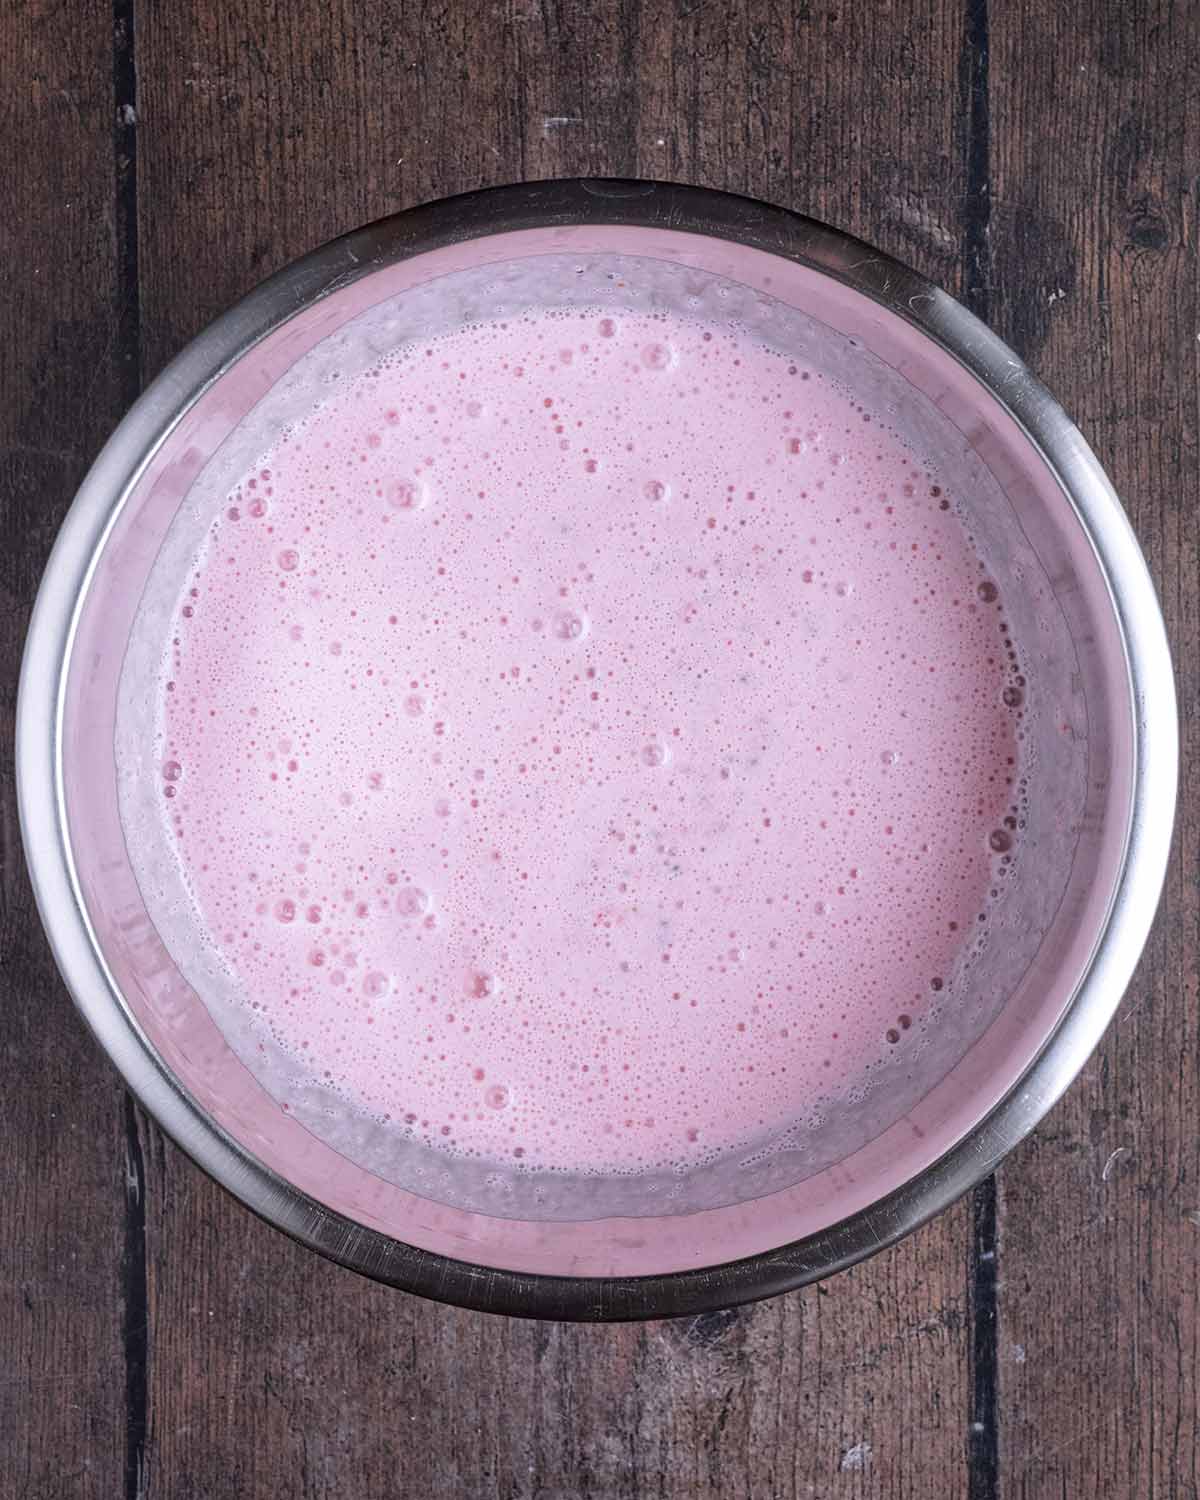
1096	278
261	137
273	1367
62	1170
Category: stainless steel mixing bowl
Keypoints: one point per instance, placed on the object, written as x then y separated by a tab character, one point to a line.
1050	493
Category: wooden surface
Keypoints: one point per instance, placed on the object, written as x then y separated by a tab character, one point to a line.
1043	160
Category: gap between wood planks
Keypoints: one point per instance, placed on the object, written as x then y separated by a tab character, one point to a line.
983	1438
127	322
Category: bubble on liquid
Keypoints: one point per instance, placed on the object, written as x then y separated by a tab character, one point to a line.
482	984
407	494
496	1097
1013	696
285	910
890	757
656	490
474	408
412	901
289	559
988	591
570	625
658	356
822	908
317	958
414	705
655	753
1000	841
375	984
172	770
313	914
843	588
606	328
258	507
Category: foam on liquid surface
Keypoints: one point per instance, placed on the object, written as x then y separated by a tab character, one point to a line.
589	741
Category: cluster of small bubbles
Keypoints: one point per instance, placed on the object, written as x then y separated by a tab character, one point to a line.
412	901
569	625
407	494
624	754
658	356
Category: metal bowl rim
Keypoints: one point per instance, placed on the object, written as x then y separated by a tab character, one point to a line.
653	205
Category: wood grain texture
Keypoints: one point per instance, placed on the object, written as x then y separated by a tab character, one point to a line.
62	1393
1096	281
1069	191
277	1373
259	140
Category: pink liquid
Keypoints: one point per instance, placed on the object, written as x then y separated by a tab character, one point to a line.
590	742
